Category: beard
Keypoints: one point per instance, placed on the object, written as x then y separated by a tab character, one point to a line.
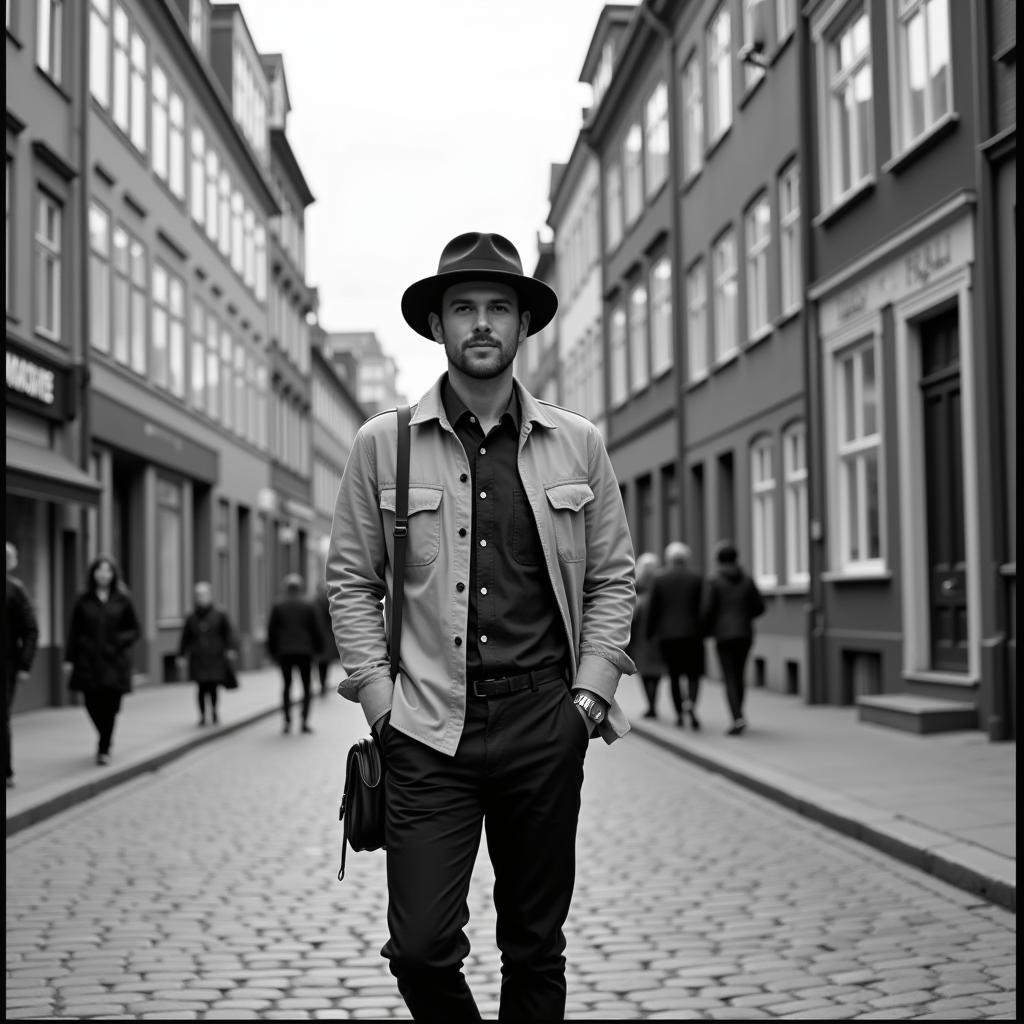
499	358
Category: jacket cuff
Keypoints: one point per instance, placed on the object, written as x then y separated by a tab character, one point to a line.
598	675
375	698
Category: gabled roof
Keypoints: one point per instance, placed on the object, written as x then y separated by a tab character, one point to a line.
613	18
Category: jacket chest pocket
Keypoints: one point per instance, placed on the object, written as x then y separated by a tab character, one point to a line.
568	502
424	539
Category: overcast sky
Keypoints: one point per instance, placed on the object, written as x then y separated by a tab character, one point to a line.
414	121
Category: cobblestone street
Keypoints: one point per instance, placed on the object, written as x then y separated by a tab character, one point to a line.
208	890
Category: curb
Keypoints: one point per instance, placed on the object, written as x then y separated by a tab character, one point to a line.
920	847
64	797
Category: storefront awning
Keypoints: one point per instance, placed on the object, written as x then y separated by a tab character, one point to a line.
47	475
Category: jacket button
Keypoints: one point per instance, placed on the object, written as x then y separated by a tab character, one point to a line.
460	587
463	477
462	531
458	641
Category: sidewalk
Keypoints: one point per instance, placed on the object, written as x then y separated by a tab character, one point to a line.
945	803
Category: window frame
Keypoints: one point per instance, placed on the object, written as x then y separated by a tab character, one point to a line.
719	96
697	333
692	85
763	496
48	265
657	144
633	174
659	290
614	216
758	252
100	279
618	356
724	308
638	320
790	247
796	507
50	39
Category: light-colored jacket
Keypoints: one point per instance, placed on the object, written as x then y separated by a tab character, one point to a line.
568	480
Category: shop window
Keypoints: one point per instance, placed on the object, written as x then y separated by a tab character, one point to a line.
170	550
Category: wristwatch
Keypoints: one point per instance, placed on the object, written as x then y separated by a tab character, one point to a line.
593	708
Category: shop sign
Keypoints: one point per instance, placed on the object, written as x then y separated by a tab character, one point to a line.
29	379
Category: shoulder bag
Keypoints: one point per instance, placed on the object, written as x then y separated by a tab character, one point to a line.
362	802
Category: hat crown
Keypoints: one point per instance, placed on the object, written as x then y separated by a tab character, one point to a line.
477	250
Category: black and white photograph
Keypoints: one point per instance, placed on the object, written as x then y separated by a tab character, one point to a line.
510	510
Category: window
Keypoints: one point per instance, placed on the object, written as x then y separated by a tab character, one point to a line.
656	127
697	320
693	117
633	170
197	357
857	430
613	204
849	154
249	247
790	269
176	335
50	37
212	178
212	366
226	380
759	233
197	184
122	99
923	59
752	73
617	356
176	145
261	263
640	373
48	266
99	278
224	221
99	52
785	19
241	410
159	122
724	269
170	556
161	302
237	248
138	91
794	467
661	316
197	24
719	50
138	271
762	493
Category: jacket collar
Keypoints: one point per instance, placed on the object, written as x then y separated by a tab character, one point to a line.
431	406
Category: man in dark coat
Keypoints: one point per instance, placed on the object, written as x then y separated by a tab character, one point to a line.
293	639
22	636
209	644
673	618
731	603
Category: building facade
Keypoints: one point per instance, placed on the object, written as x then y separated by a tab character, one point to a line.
537	361
48	483
366	368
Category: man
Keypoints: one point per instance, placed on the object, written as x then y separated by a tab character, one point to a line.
518	599
673	619
22	637
293	639
208	649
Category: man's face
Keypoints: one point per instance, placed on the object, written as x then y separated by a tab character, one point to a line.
480	327
203	595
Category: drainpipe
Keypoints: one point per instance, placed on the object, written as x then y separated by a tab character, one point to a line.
82	131
674	247
992	424
817	690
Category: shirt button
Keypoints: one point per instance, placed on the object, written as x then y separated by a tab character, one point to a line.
463	477
460	587
483	451
462	531
483	543
483	494
483	590
483	639
472	419
458	641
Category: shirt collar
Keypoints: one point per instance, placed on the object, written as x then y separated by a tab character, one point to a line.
431	406
455	408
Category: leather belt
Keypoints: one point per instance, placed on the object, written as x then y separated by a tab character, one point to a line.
501	686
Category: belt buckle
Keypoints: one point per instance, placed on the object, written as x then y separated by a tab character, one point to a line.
494	679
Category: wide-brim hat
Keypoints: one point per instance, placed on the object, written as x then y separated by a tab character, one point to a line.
478	256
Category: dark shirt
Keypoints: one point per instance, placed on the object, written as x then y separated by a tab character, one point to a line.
293	630
21	628
514	624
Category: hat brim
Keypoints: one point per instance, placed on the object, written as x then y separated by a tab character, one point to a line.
424	297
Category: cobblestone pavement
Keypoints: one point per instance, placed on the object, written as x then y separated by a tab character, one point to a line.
208	891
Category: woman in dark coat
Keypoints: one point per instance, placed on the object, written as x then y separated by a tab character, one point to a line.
731	603
97	655
641	648
209	647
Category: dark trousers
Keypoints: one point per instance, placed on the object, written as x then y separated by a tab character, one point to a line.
304	664
103	706
207	694
516	774
682	657
323	668
650	691
732	656
12	686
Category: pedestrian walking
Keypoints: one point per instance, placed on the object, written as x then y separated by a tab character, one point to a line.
675	623
293	640
518	598
642	649
22	638
731	603
97	656
328	653
208	650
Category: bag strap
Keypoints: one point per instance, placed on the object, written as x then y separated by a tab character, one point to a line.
401	534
